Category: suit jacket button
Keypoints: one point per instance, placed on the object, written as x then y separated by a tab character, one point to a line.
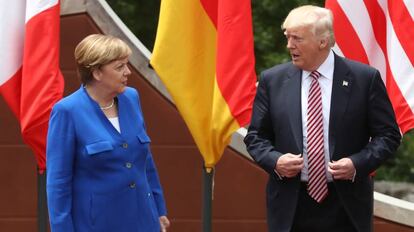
125	145
128	165
132	185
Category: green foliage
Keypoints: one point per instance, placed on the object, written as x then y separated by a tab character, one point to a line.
400	167
141	16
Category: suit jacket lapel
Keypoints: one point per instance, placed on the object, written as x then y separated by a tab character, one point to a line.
341	89
292	88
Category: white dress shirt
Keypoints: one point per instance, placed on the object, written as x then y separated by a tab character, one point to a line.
325	81
115	123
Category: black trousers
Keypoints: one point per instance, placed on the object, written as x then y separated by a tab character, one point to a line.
327	216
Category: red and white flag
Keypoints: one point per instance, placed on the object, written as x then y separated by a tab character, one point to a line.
381	33
30	78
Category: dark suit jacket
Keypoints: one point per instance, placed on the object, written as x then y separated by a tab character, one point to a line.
362	127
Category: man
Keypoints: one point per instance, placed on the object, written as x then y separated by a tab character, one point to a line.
320	125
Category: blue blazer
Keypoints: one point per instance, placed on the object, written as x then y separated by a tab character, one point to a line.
97	178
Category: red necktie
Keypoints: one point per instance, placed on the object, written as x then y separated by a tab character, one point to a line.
317	183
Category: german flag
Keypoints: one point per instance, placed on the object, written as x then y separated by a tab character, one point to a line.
204	55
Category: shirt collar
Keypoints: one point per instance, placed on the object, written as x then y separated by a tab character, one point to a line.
326	69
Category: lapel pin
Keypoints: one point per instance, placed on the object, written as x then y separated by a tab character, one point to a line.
344	83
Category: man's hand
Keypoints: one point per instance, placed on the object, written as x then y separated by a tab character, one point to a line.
342	169
164	223
289	165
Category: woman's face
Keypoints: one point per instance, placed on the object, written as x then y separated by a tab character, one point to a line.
113	76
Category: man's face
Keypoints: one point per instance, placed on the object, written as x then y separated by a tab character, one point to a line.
304	48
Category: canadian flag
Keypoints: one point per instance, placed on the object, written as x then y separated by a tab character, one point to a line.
381	33
30	78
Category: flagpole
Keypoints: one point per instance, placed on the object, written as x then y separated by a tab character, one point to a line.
208	180
42	219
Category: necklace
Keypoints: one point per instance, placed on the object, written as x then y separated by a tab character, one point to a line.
108	107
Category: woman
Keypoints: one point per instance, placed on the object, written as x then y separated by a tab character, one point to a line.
100	171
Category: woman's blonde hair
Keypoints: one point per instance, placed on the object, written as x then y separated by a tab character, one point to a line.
96	50
318	18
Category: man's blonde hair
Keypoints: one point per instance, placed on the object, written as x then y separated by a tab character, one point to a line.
318	18
96	50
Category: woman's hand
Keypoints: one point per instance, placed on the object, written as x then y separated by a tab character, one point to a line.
165	223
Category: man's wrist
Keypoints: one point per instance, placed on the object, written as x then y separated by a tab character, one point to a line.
277	173
353	177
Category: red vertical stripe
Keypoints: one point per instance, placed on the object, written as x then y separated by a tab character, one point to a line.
399	103
379	24
403	26
11	92
42	81
236	76
345	34
210	7
403	113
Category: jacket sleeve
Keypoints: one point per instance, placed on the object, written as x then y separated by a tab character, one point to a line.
155	185
60	155
383	129
259	138
151	170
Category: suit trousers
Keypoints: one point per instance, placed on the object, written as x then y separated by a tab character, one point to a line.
327	216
